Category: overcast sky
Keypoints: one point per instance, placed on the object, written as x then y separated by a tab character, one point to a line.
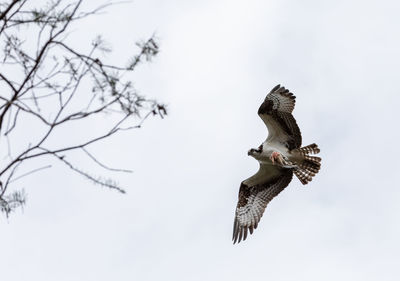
218	60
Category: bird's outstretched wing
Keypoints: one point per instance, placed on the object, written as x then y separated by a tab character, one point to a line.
276	112
254	195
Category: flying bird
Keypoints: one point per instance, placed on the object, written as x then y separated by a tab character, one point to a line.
280	156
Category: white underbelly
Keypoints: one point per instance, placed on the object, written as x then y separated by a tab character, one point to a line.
268	149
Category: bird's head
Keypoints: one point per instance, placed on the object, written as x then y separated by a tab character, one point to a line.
255	152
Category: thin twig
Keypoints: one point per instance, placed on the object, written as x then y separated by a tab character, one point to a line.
104	166
86	175
30	172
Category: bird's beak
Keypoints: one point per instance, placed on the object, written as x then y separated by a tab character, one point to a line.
249	152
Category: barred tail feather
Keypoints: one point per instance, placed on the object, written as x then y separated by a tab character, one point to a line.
309	149
309	166
312	158
302	176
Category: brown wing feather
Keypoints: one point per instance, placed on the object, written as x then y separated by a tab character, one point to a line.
283	100
252	202
289	125
276	112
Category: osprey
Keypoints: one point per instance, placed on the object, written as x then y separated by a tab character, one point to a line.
280	156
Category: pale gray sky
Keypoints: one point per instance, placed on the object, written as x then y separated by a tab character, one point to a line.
218	60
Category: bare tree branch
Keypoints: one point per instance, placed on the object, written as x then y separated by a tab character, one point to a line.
104	166
30	173
51	91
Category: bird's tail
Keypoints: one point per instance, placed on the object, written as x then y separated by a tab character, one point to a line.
308	166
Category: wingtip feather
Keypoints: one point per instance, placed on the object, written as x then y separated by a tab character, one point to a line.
276	88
